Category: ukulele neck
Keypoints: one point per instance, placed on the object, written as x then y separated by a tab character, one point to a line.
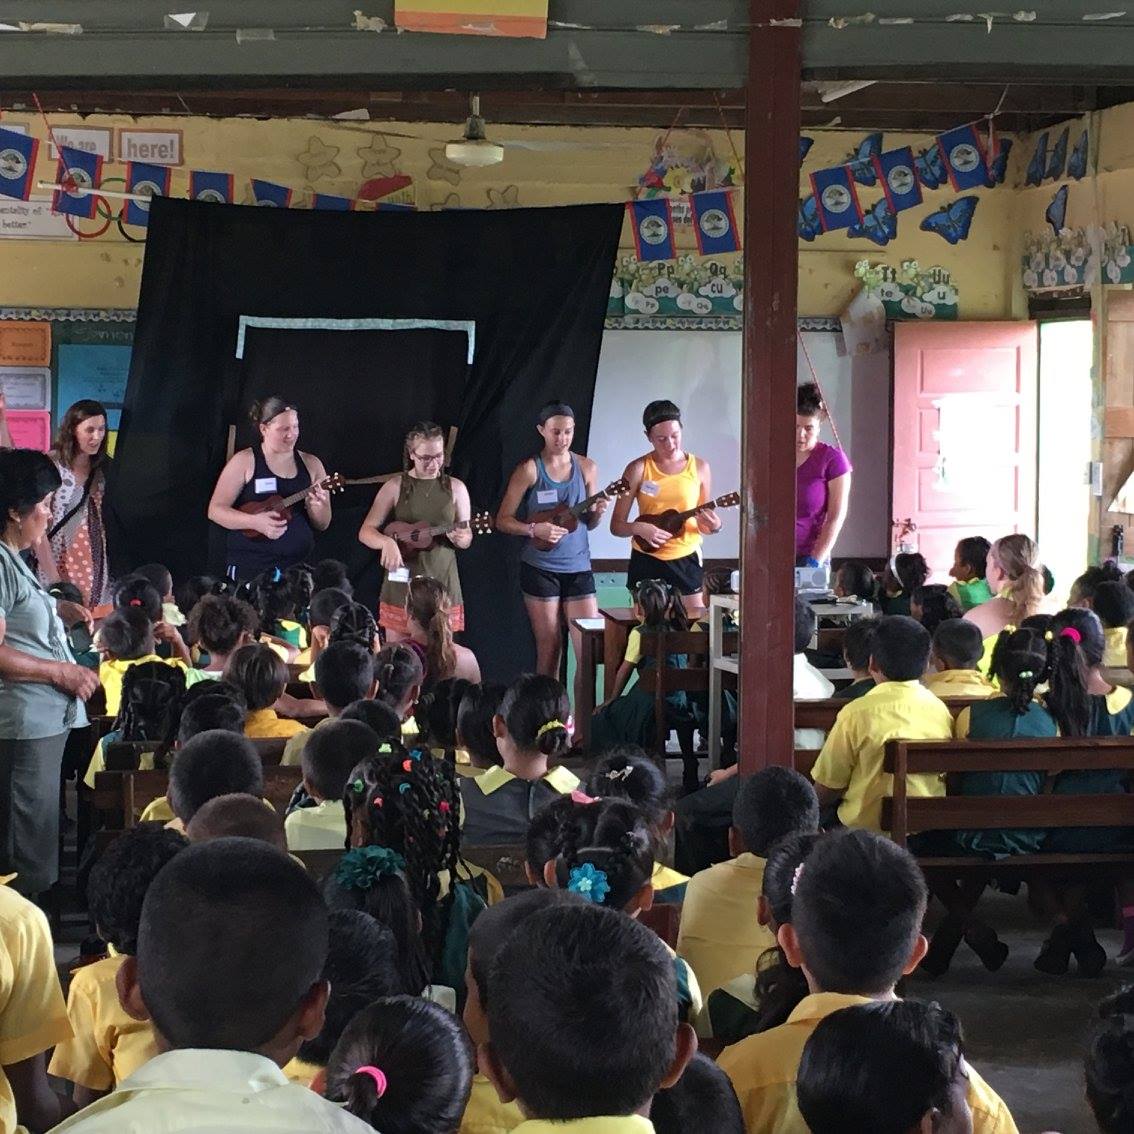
295	497
577	510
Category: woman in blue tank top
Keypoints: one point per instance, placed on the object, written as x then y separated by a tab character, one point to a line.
275	467
557	581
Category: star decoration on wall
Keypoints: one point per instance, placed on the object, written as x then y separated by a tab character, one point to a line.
442	168
506	198
318	160
379	159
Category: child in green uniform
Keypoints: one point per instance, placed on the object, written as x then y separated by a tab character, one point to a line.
970	561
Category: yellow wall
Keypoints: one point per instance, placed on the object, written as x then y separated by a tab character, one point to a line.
572	166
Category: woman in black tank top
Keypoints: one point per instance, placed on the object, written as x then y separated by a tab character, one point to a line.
274	467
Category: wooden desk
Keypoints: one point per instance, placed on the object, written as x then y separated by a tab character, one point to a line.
590	650
618	621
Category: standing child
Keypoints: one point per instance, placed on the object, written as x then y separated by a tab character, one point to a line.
904	574
957	650
108	1045
970	562
572	1046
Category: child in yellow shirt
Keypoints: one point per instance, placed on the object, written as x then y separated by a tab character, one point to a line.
262	679
125	639
958	647
559	1030
849	772
856	927
108	1045
1114	604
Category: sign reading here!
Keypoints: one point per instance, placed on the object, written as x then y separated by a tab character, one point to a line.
158	147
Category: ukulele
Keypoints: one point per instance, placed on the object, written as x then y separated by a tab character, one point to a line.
567	515
673	521
282	504
414	538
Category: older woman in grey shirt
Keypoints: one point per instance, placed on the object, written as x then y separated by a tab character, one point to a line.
42	690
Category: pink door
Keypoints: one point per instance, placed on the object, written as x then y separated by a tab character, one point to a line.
965	403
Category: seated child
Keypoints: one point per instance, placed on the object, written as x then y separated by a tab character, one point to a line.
931	604
404	1065
108	1045
904	574
855	930
858	642
970	562
216	704
531	733
475	714
766	995
330	574
702	1099
383	721
324	605
136	592
1085	587
399	674
354	623
436	716
721	935
808	684
158	576
125	639
344	673
605	853
958	647
541	844
237	815
231	947
485	1112
1114	604
361	967
262	679
849	769
329	756
211	764
1110	1063
885	1068
855	580
218	626
571	1046
280	599
628	773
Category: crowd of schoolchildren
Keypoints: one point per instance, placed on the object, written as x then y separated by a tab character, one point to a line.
404	992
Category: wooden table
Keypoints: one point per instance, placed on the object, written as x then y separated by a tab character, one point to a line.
590	650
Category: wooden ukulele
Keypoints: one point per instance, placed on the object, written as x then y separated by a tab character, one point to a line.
414	538
282	504
673	521
566	516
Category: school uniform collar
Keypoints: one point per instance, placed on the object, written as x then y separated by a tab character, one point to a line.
558	777
819	1005
883	688
615	1124
261	716
1117	700
961	677
206	1069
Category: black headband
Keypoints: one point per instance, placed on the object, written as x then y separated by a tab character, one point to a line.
555	409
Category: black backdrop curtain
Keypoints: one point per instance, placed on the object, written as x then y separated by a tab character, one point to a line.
534	282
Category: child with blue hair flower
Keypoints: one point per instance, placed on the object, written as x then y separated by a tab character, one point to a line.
604	852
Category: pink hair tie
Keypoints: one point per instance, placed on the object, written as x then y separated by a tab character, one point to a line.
1072	633
582	797
378	1076
134	602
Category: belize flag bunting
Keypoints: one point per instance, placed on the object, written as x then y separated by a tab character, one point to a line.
147	180
17	163
330	201
653	229
895	170
714	222
962	151
77	169
213	188
836	198
269	193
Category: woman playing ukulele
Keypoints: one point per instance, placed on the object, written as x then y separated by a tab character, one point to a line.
666	478
556	582
424	493
275	467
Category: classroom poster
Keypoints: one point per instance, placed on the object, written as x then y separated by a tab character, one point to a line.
30	429
25	344
26	387
91	370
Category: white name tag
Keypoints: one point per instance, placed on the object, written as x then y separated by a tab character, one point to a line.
547	496
649	488
265	484
401	575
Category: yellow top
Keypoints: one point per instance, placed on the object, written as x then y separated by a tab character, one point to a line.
293	750
322	827
763	1069
1115	654
852	758
98	760
159	811
720	936
107	1045
960	683
111	673
298	1071
33	1017
621	1124
261	724
485	1113
659	492
562	779
666	878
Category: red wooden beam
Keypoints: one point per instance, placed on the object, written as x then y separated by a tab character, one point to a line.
771	196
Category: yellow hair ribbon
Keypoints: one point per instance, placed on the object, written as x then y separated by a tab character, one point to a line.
1009	629
549	727
1049	637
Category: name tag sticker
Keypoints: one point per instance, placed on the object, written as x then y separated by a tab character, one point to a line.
401	575
547	496
649	488
265	484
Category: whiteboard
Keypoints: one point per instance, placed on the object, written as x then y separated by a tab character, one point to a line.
700	371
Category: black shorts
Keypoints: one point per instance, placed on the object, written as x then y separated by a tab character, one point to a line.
563	585
685	575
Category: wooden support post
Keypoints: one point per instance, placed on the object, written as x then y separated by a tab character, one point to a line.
771	195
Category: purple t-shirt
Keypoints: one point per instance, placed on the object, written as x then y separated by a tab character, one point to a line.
823	464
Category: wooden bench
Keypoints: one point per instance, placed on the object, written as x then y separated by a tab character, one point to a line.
126	755
319	863
822	714
502	860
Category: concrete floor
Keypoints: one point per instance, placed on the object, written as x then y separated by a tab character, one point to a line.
1025	1031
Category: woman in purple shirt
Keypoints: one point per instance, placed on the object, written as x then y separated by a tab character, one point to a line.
822	482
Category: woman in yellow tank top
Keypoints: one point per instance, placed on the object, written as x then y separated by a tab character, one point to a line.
666	477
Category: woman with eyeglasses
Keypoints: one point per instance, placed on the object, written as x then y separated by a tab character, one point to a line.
423	494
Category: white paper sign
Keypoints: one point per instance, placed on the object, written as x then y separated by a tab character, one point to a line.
94	140
26	387
649	488
546	496
265	484
32	220
399	575
158	147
